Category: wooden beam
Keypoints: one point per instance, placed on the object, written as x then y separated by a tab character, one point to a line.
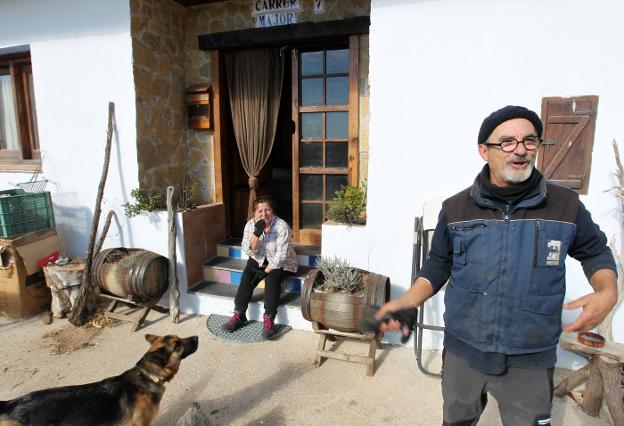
280	35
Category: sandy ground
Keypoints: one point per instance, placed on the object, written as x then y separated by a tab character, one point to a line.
266	383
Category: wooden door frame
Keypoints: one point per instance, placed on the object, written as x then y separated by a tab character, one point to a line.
313	236
220	138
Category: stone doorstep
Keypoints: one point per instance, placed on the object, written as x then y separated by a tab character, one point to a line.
228	291
226	270
306	255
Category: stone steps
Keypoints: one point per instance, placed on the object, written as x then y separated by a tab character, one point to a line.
222	274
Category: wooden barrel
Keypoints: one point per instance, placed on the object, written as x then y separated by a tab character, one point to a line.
342	312
131	272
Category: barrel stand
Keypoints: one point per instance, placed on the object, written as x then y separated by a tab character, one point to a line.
373	339
602	375
135	316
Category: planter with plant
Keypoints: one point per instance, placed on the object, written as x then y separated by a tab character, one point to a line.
349	205
335	295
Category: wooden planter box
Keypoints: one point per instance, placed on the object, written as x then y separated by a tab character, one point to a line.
341	311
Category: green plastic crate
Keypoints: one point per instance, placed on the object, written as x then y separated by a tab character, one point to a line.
22	212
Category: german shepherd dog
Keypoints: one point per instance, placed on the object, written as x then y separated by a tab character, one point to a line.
130	399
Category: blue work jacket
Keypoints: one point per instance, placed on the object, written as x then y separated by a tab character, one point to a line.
505	265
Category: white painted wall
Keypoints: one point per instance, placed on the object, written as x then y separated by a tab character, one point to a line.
82	59
438	68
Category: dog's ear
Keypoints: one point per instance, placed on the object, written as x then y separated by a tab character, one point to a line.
159	357
151	338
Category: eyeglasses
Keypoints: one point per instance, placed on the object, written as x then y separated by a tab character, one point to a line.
509	144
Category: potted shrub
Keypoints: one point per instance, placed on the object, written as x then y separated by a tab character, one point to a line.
349	205
335	295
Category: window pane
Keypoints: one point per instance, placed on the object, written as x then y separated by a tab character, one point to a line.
337	91
311	154
337	154
33	108
311	63
312	125
334	183
312	91
337	125
8	122
311	187
311	216
337	61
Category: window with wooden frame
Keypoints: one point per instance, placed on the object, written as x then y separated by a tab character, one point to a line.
326	143
565	156
19	144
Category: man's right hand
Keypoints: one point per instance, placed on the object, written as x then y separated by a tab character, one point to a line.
259	228
388	308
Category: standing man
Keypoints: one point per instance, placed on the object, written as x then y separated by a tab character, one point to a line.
503	243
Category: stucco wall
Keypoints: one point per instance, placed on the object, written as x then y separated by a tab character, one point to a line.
438	68
82	59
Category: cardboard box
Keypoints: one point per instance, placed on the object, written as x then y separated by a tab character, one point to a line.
23	292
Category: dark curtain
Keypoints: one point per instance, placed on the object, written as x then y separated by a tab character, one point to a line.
255	86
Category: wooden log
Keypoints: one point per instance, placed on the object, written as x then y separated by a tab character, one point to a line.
611	350
86	304
611	379
174	291
592	397
572	381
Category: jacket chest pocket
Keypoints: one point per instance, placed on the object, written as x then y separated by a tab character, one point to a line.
468	242
550	245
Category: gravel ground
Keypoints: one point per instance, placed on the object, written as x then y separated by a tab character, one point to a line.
265	383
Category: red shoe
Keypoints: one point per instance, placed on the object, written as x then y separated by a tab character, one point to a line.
269	329
237	321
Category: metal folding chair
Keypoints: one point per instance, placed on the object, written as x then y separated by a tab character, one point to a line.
423	231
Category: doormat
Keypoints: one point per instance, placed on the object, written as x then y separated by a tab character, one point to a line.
252	332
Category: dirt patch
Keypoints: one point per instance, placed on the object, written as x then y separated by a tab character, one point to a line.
70	338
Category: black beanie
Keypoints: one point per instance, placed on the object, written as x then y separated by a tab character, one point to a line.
507	113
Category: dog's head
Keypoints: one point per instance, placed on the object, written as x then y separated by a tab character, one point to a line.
163	358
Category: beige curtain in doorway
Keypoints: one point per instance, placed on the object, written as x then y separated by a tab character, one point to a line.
254	79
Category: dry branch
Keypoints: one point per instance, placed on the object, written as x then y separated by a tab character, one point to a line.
86	304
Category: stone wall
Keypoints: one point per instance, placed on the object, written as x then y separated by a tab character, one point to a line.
167	60
157	30
236	15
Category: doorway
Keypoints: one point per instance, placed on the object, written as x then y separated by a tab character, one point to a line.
315	150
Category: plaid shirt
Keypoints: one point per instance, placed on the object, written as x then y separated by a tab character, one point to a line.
274	246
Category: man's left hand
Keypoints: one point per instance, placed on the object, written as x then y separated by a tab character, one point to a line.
595	307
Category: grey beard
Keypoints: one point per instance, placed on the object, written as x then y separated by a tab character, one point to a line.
513	176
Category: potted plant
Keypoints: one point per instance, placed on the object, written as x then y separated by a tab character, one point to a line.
335	295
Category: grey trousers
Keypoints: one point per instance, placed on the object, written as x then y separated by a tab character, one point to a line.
524	396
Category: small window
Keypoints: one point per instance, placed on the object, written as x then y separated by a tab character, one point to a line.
19	141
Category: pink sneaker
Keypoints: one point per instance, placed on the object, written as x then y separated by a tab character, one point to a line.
268	327
237	321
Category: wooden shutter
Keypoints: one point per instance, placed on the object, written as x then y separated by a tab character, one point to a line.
566	154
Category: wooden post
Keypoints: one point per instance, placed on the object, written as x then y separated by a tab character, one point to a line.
86	304
174	291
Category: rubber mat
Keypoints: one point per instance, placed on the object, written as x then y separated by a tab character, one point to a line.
252	332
